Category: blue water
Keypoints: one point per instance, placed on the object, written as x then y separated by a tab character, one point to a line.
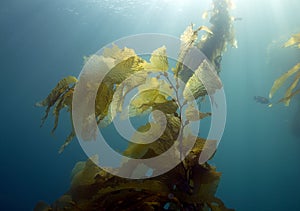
43	41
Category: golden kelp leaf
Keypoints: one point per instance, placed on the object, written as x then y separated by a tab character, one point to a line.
205	15
161	85
151	83
122	90
118	71
159	60
95	67
137	150
67	141
192	159
288	98
290	89
169	107
103	99
118	54
188	39
280	81
64	101
294	40
62	86
153	92
124	69
204	28
85	174
195	88
161	145
144	101
193	114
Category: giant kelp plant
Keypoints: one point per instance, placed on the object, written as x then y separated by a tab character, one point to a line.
294	41
189	186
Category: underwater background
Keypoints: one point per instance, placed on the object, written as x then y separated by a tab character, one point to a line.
44	41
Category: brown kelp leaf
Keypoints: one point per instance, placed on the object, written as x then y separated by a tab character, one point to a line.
294	40
42	206
280	81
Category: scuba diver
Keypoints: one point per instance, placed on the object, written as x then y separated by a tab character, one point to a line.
262	100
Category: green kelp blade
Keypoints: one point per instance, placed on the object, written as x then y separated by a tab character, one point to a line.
280	81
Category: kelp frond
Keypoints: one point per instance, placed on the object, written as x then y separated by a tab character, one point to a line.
59	96
278	83
293	41
188	40
282	79
188	186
